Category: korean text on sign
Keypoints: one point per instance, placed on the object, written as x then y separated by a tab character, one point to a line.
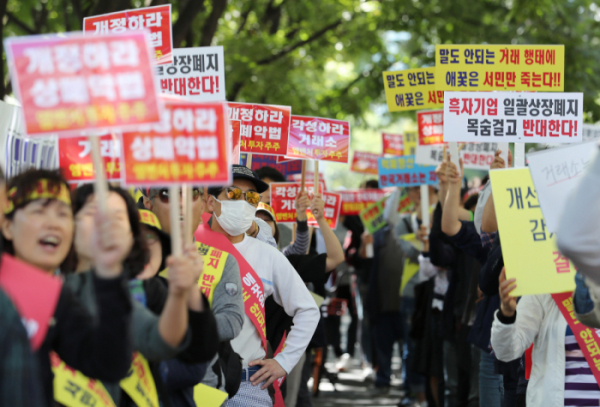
74	83
353	202
372	217
410	142
404	172
155	19
393	144
431	127
513	117
364	162
198	74
287	168
412	89
476	156
500	67
264	129
189	146
529	248
316	138
75	159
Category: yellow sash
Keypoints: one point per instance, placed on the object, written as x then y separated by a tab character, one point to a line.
139	383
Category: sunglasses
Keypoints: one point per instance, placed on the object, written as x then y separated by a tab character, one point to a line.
235	194
163	194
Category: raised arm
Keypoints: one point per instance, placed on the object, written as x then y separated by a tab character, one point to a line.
335	252
300	244
450	216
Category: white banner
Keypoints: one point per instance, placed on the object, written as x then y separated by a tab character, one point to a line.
197	74
513	117
555	173
476	156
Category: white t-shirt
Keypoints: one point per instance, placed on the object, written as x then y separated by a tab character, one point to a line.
279	279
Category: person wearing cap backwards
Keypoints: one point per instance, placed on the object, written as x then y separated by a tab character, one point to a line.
222	285
233	210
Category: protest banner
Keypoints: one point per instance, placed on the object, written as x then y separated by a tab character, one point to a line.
431	127
513	117
197	74
411	89
410	142
476	156
76	83
264	128
354	201
234	128
309	176
393	144
404	172
499	67
155	19
316	138
188	147
283	195
75	160
365	163
405	204
528	247
590	132
287	168
556	173
372	217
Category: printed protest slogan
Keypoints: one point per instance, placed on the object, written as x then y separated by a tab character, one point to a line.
528	247
364	162
410	142
316	138
286	168
75	158
353	202
513	117
431	127
393	144
412	89
538	68
372	217
476	156
404	172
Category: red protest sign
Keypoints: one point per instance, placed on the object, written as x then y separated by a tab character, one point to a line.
366	163
431	127
155	19
188	147
354	202
73	83
310	177
75	158
393	144
234	126
283	196
264	129
316	138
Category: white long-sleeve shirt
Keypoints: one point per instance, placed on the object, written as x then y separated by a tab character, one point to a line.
281	280
428	270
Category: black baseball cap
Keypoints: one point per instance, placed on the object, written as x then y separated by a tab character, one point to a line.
242	172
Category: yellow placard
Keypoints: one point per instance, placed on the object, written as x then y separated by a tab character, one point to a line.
537	68
139	383
410	269
412	239
208	397
410	142
529	249
411	89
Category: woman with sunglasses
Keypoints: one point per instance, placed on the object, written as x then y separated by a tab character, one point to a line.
38	230
157	339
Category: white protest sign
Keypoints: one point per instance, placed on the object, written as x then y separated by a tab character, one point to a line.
555	173
197	74
476	156
591	132
513	117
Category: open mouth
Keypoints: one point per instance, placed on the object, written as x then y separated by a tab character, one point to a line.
50	242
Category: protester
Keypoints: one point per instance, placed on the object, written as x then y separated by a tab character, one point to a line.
38	230
233	209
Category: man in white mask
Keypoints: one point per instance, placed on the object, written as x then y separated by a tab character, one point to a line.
233	210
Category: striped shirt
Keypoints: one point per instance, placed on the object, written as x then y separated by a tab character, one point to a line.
581	388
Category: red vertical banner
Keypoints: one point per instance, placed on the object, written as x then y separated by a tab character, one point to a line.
75	159
393	144
431	127
155	19
316	138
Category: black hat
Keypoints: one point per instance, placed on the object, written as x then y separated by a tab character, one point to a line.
242	172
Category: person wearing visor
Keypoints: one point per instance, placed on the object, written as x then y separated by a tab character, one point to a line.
233	210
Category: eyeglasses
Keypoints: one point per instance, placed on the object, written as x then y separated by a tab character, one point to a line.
163	194
235	194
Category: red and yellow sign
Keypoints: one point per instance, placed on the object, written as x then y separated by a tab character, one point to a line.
75	159
315	138
353	202
393	144
366	163
431	127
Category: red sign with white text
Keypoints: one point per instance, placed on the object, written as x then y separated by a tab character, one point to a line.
316	138
354	202
264	129
234	125
73	83
75	158
283	196
155	19
309	176
393	144
366	163
431	127
189	146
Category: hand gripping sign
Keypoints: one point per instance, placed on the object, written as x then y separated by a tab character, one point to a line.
157	20
73	83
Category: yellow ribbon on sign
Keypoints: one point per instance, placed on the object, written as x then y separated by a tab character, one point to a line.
139	383
207	396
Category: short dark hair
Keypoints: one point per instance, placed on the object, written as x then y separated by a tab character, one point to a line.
471	202
271	173
372	184
139	256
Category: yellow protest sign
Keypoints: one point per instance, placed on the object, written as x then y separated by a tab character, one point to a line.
139	383
410	142
410	269
411	89
537	68
208	397
529	249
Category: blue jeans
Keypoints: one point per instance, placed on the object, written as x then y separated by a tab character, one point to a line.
413	382
491	387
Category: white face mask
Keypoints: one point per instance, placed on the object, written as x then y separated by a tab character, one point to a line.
236	216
